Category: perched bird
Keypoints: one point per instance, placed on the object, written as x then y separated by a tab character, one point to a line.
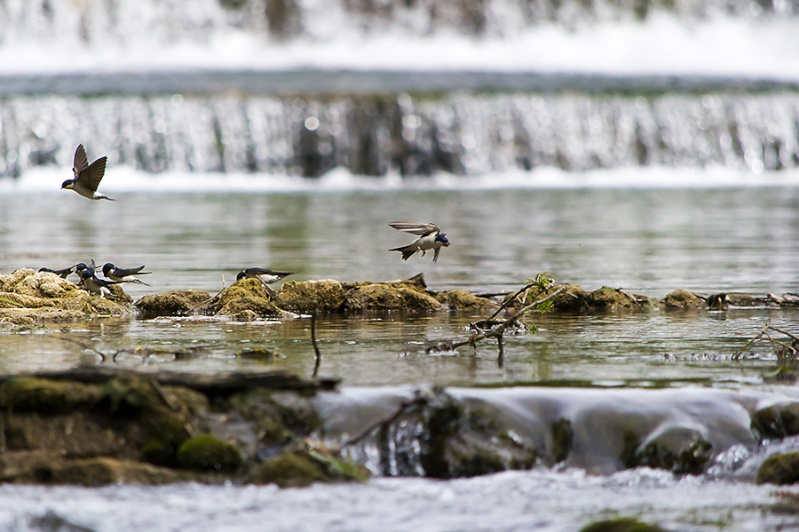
87	176
61	273
124	275
81	267
430	237
95	285
264	275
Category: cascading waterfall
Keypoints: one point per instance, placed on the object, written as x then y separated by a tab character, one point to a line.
208	119
413	136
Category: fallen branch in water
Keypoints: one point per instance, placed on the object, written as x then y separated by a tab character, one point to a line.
317	354
496	332
419	398
785	353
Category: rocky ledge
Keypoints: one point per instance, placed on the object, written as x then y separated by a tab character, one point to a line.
100	425
28	297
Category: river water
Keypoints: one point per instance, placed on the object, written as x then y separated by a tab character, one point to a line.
647	240
646	146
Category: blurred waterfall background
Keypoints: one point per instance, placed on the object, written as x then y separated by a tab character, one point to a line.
489	90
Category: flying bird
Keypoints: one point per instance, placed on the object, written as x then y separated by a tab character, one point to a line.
124	275
430	237
87	176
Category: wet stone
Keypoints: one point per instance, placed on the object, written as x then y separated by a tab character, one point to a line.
304	296
28	297
683	300
780	468
175	303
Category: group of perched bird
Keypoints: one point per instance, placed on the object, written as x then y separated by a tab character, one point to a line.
86	179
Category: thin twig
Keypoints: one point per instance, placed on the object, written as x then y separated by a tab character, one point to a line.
510	299
317	353
84	346
499	330
418	399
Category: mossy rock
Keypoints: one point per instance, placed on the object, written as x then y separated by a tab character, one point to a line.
51	468
777	421
28	297
245	295
45	396
464	300
780	468
610	299
622	524
207	452
677	449
329	295
571	299
390	296
175	303
278	417
683	300
302	468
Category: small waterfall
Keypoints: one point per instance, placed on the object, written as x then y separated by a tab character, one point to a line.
102	23
374	135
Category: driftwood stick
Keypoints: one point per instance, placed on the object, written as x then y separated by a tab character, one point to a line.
510	299
317	353
499	330
85	346
737	354
417	399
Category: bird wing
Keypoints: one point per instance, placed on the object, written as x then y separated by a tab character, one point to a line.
124	272
266	271
435	254
415	228
91	176
81	162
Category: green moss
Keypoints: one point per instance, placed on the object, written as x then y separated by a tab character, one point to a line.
683	300
464	300
622	524
175	303
303	467
209	453
45	396
301	296
780	468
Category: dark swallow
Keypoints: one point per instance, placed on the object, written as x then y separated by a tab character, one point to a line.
61	273
430	237
95	285
124	275
87	176
264	275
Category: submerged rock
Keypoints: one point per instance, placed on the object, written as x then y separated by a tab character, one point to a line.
464	300
207	452
779	468
175	303
611	299
304	296
244	295
389	296
303	467
683	300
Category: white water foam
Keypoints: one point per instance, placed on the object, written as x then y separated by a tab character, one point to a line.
661	45
125	179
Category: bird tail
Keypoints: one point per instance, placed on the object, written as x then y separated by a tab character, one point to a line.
406	251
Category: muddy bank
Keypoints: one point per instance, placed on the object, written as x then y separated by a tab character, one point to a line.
94	426
27	297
